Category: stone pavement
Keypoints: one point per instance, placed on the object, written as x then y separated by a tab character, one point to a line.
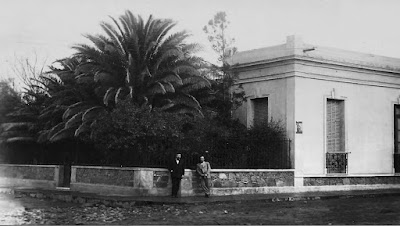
124	201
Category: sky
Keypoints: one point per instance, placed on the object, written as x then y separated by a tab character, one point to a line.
46	29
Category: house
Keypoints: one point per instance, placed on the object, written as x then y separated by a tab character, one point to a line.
341	109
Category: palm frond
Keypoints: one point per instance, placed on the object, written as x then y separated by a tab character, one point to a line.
187	100
55	129
114	36
102	76
196	82
192	48
128	74
98	41
20	139
172	77
121	33
117	94
131	91
187	69
63	134
84	68
110	92
169	87
174	52
75	108
157	88
14	126
84	127
92	113
43	136
175	39
74	121
84	79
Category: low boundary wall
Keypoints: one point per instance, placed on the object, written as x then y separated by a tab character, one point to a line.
351	180
137	181
156	181
31	176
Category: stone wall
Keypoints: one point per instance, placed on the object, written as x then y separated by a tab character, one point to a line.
41	176
110	176
157	182
326	181
252	178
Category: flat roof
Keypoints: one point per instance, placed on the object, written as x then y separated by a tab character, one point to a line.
295	47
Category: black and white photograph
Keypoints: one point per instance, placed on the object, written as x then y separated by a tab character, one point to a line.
212	112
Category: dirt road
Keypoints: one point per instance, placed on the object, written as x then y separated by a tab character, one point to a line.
26	210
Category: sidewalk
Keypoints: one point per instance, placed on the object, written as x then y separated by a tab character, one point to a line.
115	200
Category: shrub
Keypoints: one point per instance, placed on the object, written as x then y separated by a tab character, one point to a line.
131	134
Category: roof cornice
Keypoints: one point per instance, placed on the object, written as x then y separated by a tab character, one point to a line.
287	59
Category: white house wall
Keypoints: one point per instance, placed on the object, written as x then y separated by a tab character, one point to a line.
277	83
369	104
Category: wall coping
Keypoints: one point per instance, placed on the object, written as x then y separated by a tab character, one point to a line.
251	170
347	176
43	166
295	47
119	168
187	170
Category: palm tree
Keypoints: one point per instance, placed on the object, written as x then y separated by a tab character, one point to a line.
20	130
142	61
73	102
45	113
137	60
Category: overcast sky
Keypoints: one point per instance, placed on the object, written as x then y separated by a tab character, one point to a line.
48	28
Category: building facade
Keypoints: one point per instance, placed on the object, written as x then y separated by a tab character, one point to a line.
341	109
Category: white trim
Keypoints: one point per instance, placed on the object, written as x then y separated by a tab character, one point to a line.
18	165
323	77
265	64
270	77
315	76
297	58
356	69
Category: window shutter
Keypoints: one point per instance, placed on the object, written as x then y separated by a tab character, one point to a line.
397	128
260	111
335	126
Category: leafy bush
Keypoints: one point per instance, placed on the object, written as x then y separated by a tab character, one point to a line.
133	134
139	136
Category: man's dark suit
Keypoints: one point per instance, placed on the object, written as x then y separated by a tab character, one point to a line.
177	171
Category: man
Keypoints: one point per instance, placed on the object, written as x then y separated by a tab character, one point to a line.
177	171
204	170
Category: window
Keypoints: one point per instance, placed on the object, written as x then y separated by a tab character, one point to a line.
260	109
335	126
396	155
397	129
336	156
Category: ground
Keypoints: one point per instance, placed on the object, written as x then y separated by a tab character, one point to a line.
378	210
